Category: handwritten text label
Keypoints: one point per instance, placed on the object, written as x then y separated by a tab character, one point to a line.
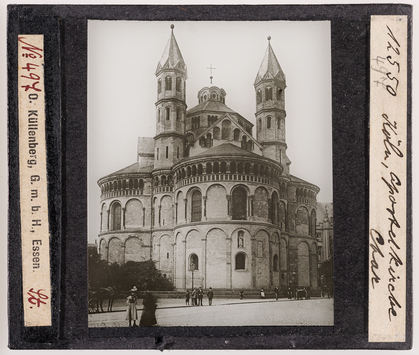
388	134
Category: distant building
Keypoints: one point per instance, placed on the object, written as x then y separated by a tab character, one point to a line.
324	231
206	199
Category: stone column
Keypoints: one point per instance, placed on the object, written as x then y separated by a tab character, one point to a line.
253	265
176	216
123	251
252	199
269	210
107	251
159	221
204	262
152	213
185	265
143	216
185	201
174	261
101	221
158	256
229	276
172	222
270	263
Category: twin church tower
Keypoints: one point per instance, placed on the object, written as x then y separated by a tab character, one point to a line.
206	201
174	121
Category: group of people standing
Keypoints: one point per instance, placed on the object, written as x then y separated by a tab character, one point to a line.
148	315
263	296
197	295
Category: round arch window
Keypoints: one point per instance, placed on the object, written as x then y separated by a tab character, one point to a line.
275	263
240	261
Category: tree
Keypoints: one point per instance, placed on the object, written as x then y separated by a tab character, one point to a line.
98	272
144	275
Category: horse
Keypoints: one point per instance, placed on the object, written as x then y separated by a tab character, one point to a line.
104	293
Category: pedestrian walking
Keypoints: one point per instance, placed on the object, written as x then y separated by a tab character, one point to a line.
193	297
200	296
148	317
241	294
187	296
132	315
276	292
210	295
262	293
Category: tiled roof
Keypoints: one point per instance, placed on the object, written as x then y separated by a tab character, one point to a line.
172	57
227	149
132	169
210	105
270	67
296	179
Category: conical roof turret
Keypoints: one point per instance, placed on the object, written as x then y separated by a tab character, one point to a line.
172	57
270	68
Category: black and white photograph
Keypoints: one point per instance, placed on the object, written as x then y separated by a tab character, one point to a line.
210	174
209	177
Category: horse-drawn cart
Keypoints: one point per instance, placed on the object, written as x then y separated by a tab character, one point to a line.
93	302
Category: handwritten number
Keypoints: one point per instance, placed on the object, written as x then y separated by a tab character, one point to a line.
33	86
390	90
29	66
394	63
392	36
32	76
396	50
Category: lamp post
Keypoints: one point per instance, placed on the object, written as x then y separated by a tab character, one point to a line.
192	269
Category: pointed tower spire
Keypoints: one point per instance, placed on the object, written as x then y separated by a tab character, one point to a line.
270	108
170	106
270	68
172	57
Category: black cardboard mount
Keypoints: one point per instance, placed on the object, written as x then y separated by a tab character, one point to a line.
65	31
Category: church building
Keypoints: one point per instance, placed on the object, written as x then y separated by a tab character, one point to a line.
210	203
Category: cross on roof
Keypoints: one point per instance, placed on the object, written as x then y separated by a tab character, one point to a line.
211	68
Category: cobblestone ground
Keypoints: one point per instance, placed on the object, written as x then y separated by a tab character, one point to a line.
317	311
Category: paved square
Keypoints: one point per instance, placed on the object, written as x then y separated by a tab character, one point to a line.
284	312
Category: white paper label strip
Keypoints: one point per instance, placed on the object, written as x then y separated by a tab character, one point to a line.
387	224
33	182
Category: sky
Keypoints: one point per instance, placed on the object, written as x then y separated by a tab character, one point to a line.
122	87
